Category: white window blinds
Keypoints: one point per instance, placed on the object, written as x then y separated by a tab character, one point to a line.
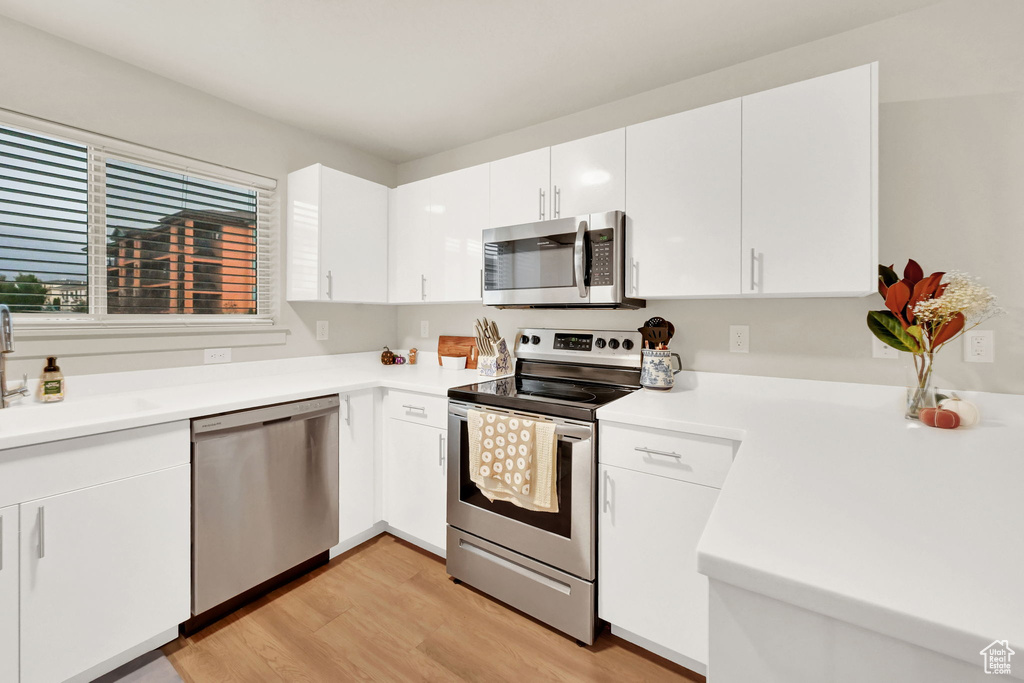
90	232
44	225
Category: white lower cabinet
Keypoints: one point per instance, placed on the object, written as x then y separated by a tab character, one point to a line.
356	472
9	628
101	567
416	457
650	518
95	535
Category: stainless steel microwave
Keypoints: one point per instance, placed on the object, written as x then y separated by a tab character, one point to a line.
575	262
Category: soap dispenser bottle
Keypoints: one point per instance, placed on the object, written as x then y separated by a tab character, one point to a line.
51	384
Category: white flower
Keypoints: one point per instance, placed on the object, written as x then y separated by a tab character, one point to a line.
963	294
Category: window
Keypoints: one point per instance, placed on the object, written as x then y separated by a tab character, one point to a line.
90	234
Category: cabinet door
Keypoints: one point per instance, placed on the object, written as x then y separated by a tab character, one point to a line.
353	238
103	569
459	213
9	594
412	255
683	203
809	186
589	175
303	271
648	529
416	483
356	486
520	188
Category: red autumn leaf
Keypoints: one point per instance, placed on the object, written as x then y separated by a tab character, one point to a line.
896	300
913	272
882	289
949	330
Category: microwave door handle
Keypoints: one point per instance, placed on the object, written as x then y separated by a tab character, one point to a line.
580	259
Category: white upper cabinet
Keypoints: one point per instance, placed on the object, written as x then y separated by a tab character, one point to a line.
410	266
458	217
520	189
435	244
589	175
810	155
683	203
337	237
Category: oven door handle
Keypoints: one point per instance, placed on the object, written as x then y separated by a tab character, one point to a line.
580	259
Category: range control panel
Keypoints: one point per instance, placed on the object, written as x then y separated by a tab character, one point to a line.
601	347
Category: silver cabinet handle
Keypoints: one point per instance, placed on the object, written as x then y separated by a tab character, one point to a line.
651	451
481	283
440	449
348	409
634	280
606	504
557	210
542	207
580	259
330	285
41	519
752	259
412	407
1	544
423	287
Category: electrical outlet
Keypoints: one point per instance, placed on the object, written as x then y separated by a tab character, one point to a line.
322	330
739	338
880	349
424	328
979	346
217	356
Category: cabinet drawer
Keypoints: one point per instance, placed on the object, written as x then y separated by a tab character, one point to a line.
418	408
678	455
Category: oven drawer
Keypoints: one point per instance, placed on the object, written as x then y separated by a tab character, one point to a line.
563	601
677	455
418	408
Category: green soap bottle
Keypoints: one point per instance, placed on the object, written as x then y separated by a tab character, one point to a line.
51	384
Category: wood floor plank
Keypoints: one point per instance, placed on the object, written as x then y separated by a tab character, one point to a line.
387	611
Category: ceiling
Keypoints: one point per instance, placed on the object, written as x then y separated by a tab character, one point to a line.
404	79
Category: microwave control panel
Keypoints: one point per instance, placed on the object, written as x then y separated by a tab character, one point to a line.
602	250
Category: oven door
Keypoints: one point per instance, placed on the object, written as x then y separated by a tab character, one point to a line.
564	539
542	263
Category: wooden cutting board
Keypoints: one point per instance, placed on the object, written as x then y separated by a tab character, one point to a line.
458	346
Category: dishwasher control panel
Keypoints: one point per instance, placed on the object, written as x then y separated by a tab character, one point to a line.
278	412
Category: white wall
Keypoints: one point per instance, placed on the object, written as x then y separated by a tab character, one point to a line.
951	181
53	79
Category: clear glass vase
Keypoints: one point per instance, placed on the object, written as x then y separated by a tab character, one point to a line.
920	393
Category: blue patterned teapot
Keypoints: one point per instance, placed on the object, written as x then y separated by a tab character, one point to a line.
656	371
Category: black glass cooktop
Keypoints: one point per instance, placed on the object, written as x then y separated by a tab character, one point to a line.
563	398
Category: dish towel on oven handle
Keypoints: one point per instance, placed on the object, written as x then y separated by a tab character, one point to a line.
513	459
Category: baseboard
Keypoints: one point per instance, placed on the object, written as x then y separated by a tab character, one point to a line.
429	547
349	543
661	651
128	655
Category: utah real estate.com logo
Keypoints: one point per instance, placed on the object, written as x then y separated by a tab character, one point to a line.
997	657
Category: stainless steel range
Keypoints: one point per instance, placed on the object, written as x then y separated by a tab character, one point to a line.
542	563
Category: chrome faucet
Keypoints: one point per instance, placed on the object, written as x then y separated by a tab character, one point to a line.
6	347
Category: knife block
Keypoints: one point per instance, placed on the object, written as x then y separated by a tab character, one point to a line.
498	364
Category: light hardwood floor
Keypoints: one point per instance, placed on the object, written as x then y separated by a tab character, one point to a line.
387	611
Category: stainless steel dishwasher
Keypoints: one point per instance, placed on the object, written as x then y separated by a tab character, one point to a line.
264	498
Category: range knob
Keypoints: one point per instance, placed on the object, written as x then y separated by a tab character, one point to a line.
535	339
524	339
613	343
599	343
627	344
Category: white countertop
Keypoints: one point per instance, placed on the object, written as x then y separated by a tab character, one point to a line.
837	504
834	503
97	404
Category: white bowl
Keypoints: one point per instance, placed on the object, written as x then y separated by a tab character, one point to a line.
453	362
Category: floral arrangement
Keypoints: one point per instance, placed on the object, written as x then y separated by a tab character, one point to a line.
923	314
